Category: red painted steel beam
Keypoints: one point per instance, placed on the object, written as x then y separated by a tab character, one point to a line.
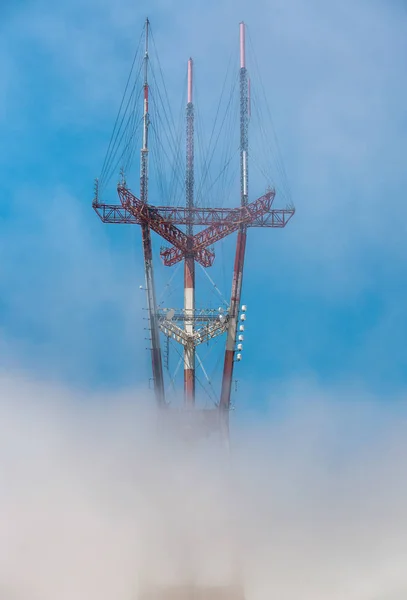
171	256
182	243
166	230
115	213
194	215
214	233
223	222
276	218
239	216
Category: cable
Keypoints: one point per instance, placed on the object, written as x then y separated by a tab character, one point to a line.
124	94
206	376
214	285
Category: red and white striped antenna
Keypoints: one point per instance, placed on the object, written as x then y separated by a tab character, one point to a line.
189	261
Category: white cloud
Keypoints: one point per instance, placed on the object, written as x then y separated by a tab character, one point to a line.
93	501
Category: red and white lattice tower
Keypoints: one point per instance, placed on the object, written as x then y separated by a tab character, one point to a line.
202	228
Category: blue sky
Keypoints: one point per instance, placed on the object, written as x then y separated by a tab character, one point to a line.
322	486
327	296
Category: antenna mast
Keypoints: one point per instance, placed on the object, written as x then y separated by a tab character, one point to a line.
241	236
189	263
156	358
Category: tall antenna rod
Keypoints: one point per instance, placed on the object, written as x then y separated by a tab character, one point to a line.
244	119
189	263
241	236
156	359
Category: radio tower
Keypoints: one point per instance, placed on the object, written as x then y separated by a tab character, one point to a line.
203	227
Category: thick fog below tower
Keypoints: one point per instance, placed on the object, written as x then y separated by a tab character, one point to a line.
95	504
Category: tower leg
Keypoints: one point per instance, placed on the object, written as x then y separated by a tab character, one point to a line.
241	237
234	313
189	350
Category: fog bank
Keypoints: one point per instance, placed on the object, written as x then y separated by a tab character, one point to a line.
94	503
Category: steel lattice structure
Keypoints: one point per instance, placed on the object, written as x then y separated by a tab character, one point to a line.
188	326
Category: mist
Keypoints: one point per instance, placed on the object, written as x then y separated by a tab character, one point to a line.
96	503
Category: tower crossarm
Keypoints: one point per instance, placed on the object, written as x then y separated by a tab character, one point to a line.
211	216
149	215
114	213
179	215
243	215
277	218
239	216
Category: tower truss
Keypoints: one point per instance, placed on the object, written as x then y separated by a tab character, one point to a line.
190	232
